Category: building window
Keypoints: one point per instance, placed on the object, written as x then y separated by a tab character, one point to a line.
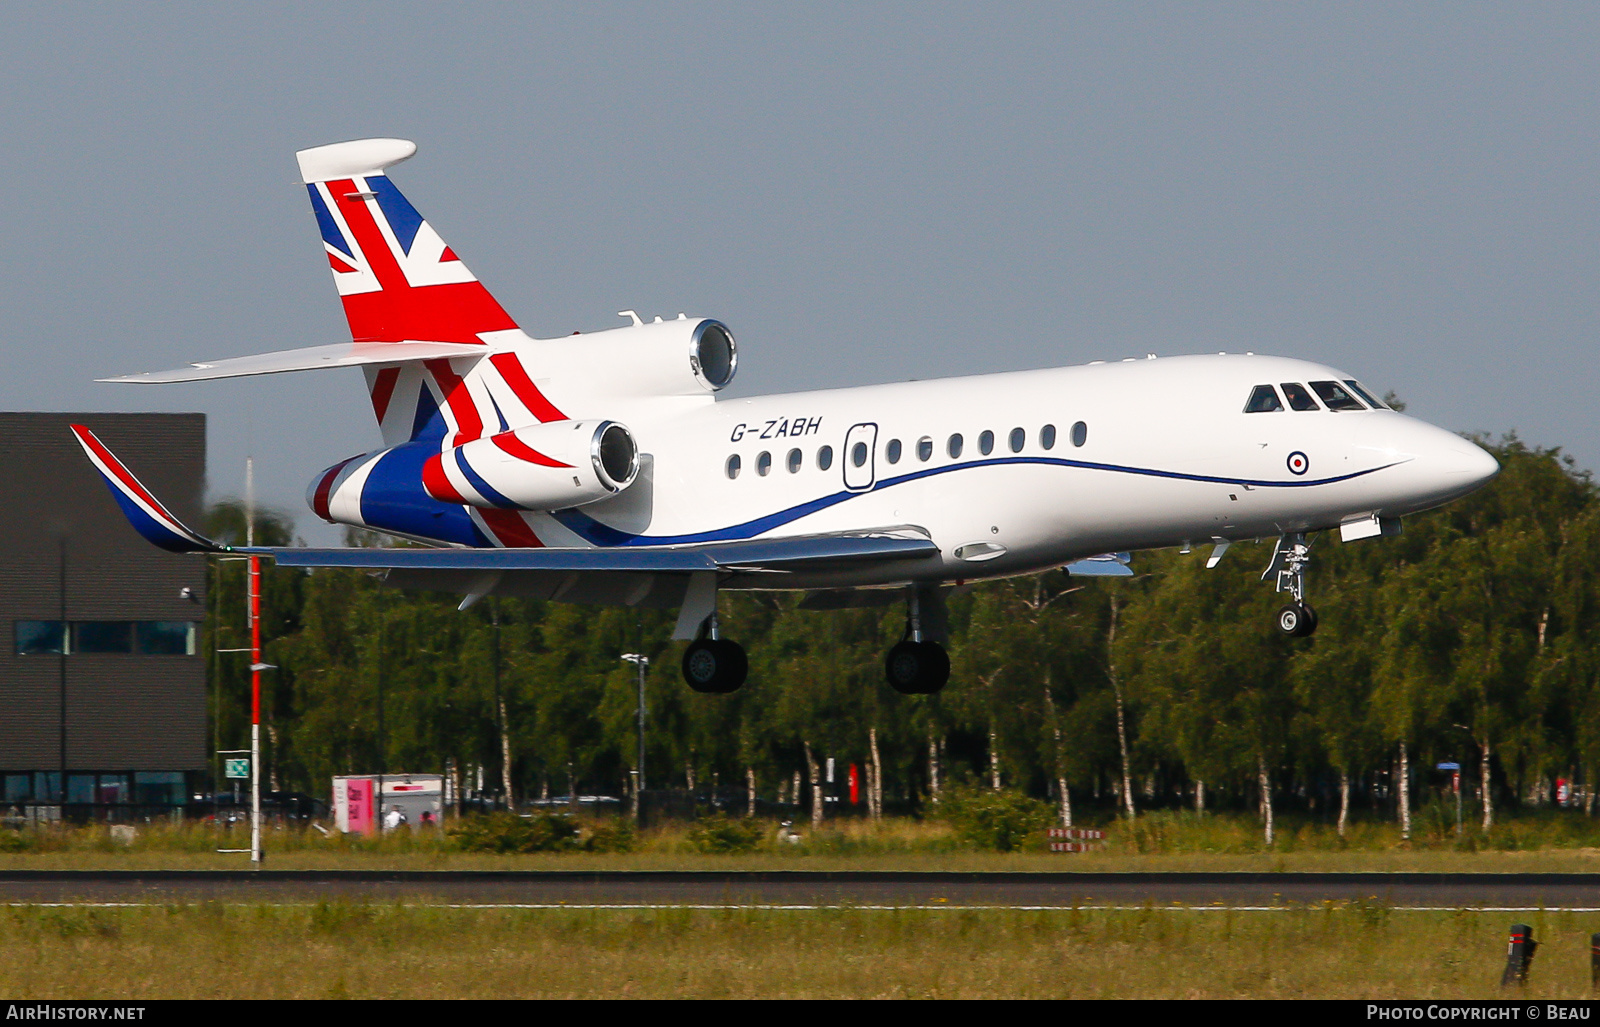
159	788
19	787
80	787
165	637
102	636
37	637
146	637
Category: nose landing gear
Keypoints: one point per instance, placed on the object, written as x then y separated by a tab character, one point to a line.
917	665
1288	564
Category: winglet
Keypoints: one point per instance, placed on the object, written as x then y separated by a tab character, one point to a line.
148	517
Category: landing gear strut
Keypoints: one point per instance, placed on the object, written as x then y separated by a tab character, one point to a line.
1288	564
714	664
916	665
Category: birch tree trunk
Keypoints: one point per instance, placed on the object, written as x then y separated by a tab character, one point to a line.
1483	786
1405	793
875	786
1061	753
994	761
1344	800
749	791
1122	724
1265	782
933	766
505	755
1199	796
816	787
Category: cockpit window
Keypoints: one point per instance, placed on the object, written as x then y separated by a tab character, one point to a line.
1360	390
1263	399
1335	397
1299	398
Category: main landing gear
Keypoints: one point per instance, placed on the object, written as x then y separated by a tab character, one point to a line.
916	665
713	664
1289	562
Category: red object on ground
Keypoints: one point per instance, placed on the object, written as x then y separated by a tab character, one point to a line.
855	786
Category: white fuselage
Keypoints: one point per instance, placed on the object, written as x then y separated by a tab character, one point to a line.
1166	455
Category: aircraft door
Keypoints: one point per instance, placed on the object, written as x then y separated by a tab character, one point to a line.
859	456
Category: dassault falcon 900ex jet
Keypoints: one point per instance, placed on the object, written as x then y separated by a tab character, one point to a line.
602	467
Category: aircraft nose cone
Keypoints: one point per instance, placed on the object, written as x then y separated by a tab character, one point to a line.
1453	467
1470	465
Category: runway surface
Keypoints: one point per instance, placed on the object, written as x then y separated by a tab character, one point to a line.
801	889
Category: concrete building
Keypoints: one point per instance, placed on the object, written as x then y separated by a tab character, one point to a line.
102	685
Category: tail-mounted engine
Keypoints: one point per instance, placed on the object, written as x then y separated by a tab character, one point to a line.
683	357
544	467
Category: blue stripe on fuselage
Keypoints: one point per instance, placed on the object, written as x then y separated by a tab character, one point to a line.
599	534
392	499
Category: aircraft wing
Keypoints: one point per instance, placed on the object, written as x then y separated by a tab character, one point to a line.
775	556
345	354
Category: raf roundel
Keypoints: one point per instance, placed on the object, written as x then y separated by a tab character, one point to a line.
1298	463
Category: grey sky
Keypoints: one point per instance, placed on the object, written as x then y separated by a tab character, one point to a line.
863	192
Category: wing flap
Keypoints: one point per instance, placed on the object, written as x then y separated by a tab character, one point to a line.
314	358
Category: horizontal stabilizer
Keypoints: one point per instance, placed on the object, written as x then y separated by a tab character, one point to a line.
345	354
143	510
1106	565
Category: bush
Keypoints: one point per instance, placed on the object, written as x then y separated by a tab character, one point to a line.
16	841
1000	821
720	833
612	836
508	832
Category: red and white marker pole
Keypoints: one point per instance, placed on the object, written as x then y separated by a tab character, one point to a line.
255	709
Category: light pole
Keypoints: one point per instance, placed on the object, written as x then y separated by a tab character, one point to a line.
642	663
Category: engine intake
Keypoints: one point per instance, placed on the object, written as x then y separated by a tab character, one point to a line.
544	467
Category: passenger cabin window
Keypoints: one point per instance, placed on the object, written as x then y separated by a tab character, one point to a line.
1335	398
924	449
733	466
794	461
1360	390
1047	437
891	452
1299	398
1263	400
1018	437
764	463
986	443
858	454
1080	433
825	457
954	446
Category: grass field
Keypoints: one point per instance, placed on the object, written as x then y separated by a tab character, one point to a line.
388	951
1549	842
